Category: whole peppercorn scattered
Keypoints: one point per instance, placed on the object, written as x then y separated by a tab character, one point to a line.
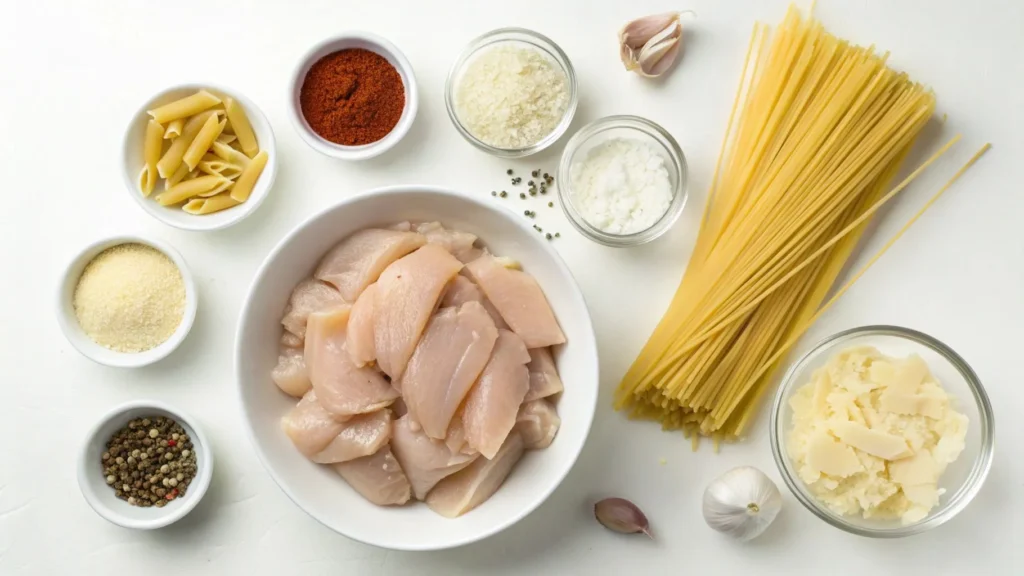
522	196
494	193
551	204
535	173
548	236
509	171
503	194
142	484
558	234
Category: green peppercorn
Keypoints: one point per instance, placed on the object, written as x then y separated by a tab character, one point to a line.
522	196
503	194
548	236
509	171
551	204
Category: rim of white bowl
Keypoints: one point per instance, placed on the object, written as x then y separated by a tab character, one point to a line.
204	223
577	293
88	481
337	42
97	353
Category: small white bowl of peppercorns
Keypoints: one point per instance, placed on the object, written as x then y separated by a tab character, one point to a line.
145	465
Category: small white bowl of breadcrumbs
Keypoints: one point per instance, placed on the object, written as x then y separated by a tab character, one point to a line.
126	301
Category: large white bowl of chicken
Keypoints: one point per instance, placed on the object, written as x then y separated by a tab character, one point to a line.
417	368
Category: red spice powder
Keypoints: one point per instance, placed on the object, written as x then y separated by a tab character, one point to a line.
352	97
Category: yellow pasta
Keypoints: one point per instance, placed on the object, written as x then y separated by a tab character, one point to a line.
245	183
180	174
229	154
200	206
822	129
207	134
184	107
174	128
171	159
226	138
242	127
154	141
191	188
218	166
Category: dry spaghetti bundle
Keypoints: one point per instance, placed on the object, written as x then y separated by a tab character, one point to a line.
822	131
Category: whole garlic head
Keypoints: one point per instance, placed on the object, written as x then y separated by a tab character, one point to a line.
742	503
649	45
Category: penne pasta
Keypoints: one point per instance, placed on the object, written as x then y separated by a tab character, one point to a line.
222	187
174	129
218	166
184	107
245	183
198	147
226	138
171	159
151	155
199	206
190	188
242	127
229	154
178	176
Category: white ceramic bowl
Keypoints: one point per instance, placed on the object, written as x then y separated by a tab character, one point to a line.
343	41
132	162
93	351
101	497
318	489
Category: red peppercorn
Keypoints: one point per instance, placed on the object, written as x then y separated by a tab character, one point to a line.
171	494
171	442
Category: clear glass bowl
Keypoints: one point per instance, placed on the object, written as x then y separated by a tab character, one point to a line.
521	36
962	479
629	127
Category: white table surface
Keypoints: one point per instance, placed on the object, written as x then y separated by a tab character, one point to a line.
74	71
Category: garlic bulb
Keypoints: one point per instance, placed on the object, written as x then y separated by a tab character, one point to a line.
649	45
741	503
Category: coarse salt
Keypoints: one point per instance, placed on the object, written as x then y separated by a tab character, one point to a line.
621	186
511	96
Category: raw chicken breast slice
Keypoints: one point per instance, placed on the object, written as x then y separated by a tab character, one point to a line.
425	461
455	440
407	294
544	380
491	406
360	328
461	290
471	487
309	426
454	349
537	422
358	260
403	226
290	374
309	296
290	340
343	388
458	244
519	299
363	435
378	478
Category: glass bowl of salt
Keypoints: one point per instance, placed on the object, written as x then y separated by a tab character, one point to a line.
622	181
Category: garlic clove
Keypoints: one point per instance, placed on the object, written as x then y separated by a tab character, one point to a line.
640	31
621	515
658	55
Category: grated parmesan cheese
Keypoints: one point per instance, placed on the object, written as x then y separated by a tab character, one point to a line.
511	96
130	298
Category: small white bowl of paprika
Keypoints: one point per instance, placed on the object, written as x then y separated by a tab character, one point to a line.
126	301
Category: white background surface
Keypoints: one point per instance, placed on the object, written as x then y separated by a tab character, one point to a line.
73	72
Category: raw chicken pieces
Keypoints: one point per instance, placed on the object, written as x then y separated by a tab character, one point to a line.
309	296
537	422
290	374
311	427
458	244
454	348
358	260
378	478
359	341
461	290
544	380
467	489
423	366
361	436
491	406
407	294
519	299
343	388
425	461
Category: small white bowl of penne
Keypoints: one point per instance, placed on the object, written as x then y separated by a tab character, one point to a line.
199	157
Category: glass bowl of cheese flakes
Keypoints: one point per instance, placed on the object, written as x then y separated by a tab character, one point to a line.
882	431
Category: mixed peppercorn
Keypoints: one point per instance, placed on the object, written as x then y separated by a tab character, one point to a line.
149	462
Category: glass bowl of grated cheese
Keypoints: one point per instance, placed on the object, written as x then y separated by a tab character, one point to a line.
511	92
882	431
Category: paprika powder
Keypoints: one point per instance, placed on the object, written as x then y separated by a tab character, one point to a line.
352	97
